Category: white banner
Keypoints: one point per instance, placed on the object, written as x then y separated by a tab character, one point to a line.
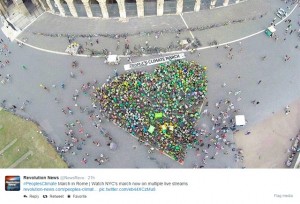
154	61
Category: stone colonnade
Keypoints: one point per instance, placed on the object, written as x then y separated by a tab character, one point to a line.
21	7
3	8
47	5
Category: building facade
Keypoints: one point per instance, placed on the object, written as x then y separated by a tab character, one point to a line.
111	8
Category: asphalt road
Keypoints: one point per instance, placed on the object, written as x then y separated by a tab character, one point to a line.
57	24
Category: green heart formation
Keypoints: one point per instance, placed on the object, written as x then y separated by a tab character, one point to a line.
158	108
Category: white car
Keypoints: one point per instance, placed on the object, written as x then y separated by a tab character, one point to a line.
281	13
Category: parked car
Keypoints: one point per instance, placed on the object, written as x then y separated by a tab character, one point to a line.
281	13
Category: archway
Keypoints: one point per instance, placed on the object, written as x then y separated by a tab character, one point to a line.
150	7
8	2
113	9
170	6
188	5
66	7
29	5
131	9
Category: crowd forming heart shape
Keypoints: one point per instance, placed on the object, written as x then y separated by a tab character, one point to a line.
159	108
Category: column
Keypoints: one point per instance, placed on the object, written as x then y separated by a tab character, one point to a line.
225	3
3	5
72	7
50	6
3	8
140	8
179	6
21	7
102	4
42	3
87	6
122	9
160	7
35	2
213	4
197	5
60	8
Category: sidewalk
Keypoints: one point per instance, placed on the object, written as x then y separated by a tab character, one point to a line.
257	18
267	145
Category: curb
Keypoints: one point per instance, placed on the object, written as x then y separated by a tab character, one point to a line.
172	52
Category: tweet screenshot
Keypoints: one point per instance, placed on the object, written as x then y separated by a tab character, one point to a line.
148	186
150	101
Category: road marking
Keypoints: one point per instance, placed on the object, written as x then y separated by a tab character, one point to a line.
21	159
32	22
172	52
243	38
8	146
200	109
186	26
19	32
41	49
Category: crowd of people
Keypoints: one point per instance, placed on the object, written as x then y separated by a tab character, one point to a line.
4	61
217	135
78	134
158	108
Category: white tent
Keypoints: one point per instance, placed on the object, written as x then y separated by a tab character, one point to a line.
113	146
272	29
240	120
112	59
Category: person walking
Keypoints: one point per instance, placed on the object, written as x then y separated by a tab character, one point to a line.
116	72
286	57
44	87
287	110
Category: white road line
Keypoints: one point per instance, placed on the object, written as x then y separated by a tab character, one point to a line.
186	25
21	31
173	52
21	159
287	15
8	146
248	36
41	49
31	22
200	109
243	38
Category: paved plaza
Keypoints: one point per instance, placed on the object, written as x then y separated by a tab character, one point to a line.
249	73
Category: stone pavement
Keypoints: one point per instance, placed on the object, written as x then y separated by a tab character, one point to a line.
19	20
267	145
57	24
